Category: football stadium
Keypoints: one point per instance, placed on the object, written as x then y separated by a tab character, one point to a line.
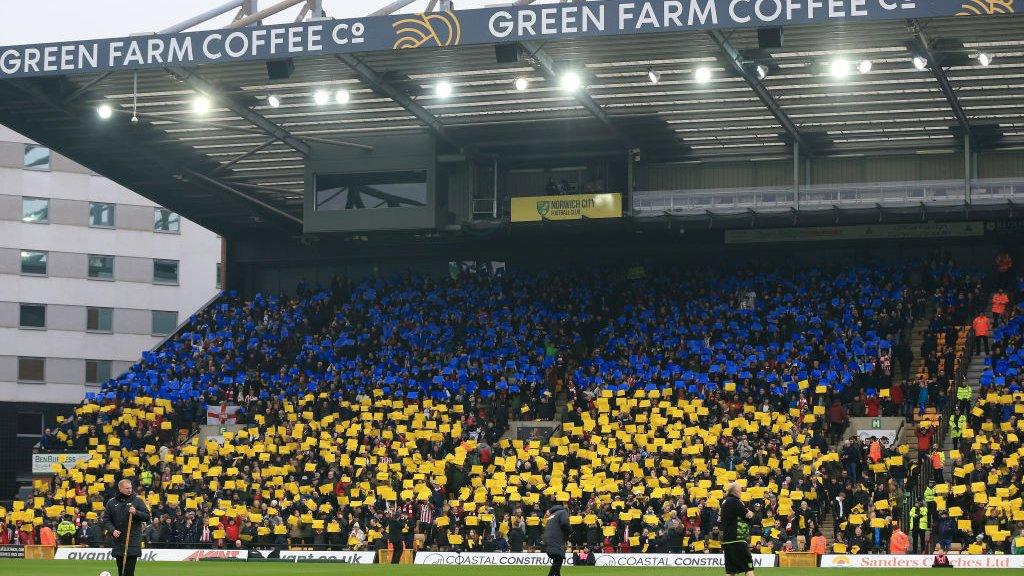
607	286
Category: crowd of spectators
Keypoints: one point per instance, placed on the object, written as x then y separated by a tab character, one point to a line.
979	504
372	414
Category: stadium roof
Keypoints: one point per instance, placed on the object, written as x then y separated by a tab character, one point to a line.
213	167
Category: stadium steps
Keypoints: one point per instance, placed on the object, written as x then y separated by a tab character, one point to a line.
973	375
827	529
916	339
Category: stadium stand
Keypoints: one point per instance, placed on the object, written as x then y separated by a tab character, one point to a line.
979	504
375	414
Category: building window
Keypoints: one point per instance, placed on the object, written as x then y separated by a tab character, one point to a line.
99	319
101	267
35	210
165	271
31	369
166	221
33	262
97	371
30	424
101	214
32	316
36	157
164	323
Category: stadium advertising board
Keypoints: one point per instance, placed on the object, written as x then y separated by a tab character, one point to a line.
919	561
676	560
42	463
616	560
12	551
340	556
889	435
484	558
153	554
462	27
568	207
862	232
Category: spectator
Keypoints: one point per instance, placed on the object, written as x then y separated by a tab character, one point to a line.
999	302
818	544
982	329
899	543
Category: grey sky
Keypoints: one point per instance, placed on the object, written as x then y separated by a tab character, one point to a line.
28	22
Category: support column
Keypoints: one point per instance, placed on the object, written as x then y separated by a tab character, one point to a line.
796	174
967	167
628	200
494	200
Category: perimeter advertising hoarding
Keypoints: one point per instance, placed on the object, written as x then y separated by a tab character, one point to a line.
567	207
152	554
460	28
919	561
42	462
617	560
12	551
340	556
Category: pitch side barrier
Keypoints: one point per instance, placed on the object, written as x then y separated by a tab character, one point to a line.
919	561
531	558
195	555
611	560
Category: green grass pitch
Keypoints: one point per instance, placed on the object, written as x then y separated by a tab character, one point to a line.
74	568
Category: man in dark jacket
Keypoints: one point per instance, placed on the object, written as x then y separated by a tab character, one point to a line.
187	530
736	532
516	538
396	536
122	507
94	535
555	534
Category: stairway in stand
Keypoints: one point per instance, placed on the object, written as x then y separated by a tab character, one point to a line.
973	377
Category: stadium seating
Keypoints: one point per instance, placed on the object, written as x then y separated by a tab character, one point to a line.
982	496
390	398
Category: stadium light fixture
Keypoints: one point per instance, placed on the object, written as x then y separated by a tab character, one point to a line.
920	63
443	89
762	71
984	59
653	76
320	97
342	96
703	74
104	111
839	68
201	105
571	81
864	67
274	101
522	84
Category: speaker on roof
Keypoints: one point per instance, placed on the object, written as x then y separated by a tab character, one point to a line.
280	69
507	53
769	38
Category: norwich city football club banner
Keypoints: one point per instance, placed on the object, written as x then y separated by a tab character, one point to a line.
460	28
863	232
569	207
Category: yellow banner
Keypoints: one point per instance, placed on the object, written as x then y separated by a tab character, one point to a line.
569	207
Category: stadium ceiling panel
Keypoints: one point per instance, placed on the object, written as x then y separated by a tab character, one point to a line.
817	78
